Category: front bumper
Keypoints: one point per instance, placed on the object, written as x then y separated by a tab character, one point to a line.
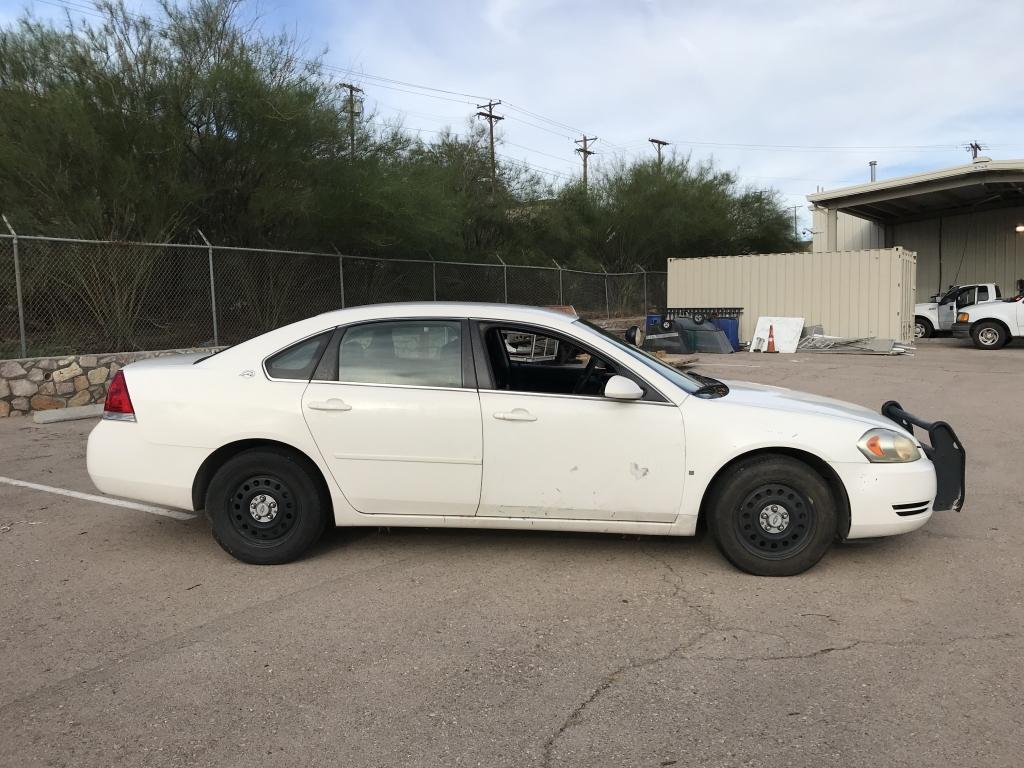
962	330
946	453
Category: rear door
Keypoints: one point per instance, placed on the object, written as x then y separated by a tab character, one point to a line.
394	410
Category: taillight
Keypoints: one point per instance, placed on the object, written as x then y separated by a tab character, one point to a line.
118	405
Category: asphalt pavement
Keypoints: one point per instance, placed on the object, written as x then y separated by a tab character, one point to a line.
130	639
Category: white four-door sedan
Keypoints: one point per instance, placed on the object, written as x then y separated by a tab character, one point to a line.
429	415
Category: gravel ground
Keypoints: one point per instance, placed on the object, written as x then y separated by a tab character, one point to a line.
131	639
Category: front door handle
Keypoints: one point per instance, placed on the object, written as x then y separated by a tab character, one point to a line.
333	404
516	414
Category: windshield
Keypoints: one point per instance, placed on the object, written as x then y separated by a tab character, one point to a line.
684	381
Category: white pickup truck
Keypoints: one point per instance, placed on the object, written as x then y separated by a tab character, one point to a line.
991	324
939	314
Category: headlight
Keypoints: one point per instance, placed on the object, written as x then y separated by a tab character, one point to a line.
963	317
886	446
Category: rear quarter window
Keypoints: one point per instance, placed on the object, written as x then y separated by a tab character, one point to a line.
298	361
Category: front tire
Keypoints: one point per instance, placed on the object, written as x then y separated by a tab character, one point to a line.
266	506
923	328
989	335
772	515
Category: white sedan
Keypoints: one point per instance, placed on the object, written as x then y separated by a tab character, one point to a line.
419	415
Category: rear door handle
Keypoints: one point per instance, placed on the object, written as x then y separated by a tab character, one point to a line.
516	414
333	404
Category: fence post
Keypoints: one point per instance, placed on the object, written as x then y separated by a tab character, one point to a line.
17	288
646	305
561	298
213	288
607	298
433	275
504	273
341	274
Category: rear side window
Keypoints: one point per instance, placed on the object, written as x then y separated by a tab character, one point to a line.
982	293
297	361
425	353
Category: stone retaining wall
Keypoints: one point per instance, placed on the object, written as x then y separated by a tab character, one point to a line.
44	383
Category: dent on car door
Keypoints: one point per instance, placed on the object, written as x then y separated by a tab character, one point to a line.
572	456
396	419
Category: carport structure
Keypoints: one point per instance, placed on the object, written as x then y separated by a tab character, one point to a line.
965	223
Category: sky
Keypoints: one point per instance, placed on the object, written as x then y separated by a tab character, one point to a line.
790	95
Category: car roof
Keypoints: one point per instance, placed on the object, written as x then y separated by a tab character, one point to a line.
279	338
483	310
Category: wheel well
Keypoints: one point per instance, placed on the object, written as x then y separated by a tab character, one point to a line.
217	459
835	484
925	319
997	321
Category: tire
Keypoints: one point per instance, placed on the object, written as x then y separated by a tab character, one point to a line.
772	515
989	335
923	328
266	506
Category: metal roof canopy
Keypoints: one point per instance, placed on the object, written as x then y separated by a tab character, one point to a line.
981	185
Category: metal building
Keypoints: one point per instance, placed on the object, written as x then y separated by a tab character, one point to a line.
966	223
849	293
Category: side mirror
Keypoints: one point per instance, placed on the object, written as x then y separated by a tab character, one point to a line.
636	335
621	388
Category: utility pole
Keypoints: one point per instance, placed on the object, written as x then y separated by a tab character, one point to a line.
585	152
491	119
658	144
352	91
796	232
974	148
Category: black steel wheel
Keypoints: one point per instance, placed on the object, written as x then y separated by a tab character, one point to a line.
772	515
263	509
775	521
266	506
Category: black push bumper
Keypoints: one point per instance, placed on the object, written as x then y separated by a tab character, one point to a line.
961	330
946	452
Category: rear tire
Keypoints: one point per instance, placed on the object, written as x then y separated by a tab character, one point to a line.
266	506
989	335
923	328
772	515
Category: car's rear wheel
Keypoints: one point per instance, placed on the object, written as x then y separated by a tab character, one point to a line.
923	328
772	515
989	335
266	506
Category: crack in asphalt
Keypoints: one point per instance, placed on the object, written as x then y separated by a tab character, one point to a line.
681	651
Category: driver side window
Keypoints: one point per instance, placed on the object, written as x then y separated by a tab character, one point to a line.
528	360
966	297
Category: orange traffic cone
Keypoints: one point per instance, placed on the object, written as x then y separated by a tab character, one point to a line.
771	339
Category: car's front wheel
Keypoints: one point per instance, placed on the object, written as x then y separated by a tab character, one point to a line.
989	335
266	506
772	515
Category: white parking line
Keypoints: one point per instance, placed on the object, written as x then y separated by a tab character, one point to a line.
172	513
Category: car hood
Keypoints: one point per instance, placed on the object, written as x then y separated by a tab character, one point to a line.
793	401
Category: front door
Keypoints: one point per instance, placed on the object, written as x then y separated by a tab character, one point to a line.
395	419
555	448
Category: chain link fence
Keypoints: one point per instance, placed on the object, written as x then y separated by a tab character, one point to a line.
69	296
